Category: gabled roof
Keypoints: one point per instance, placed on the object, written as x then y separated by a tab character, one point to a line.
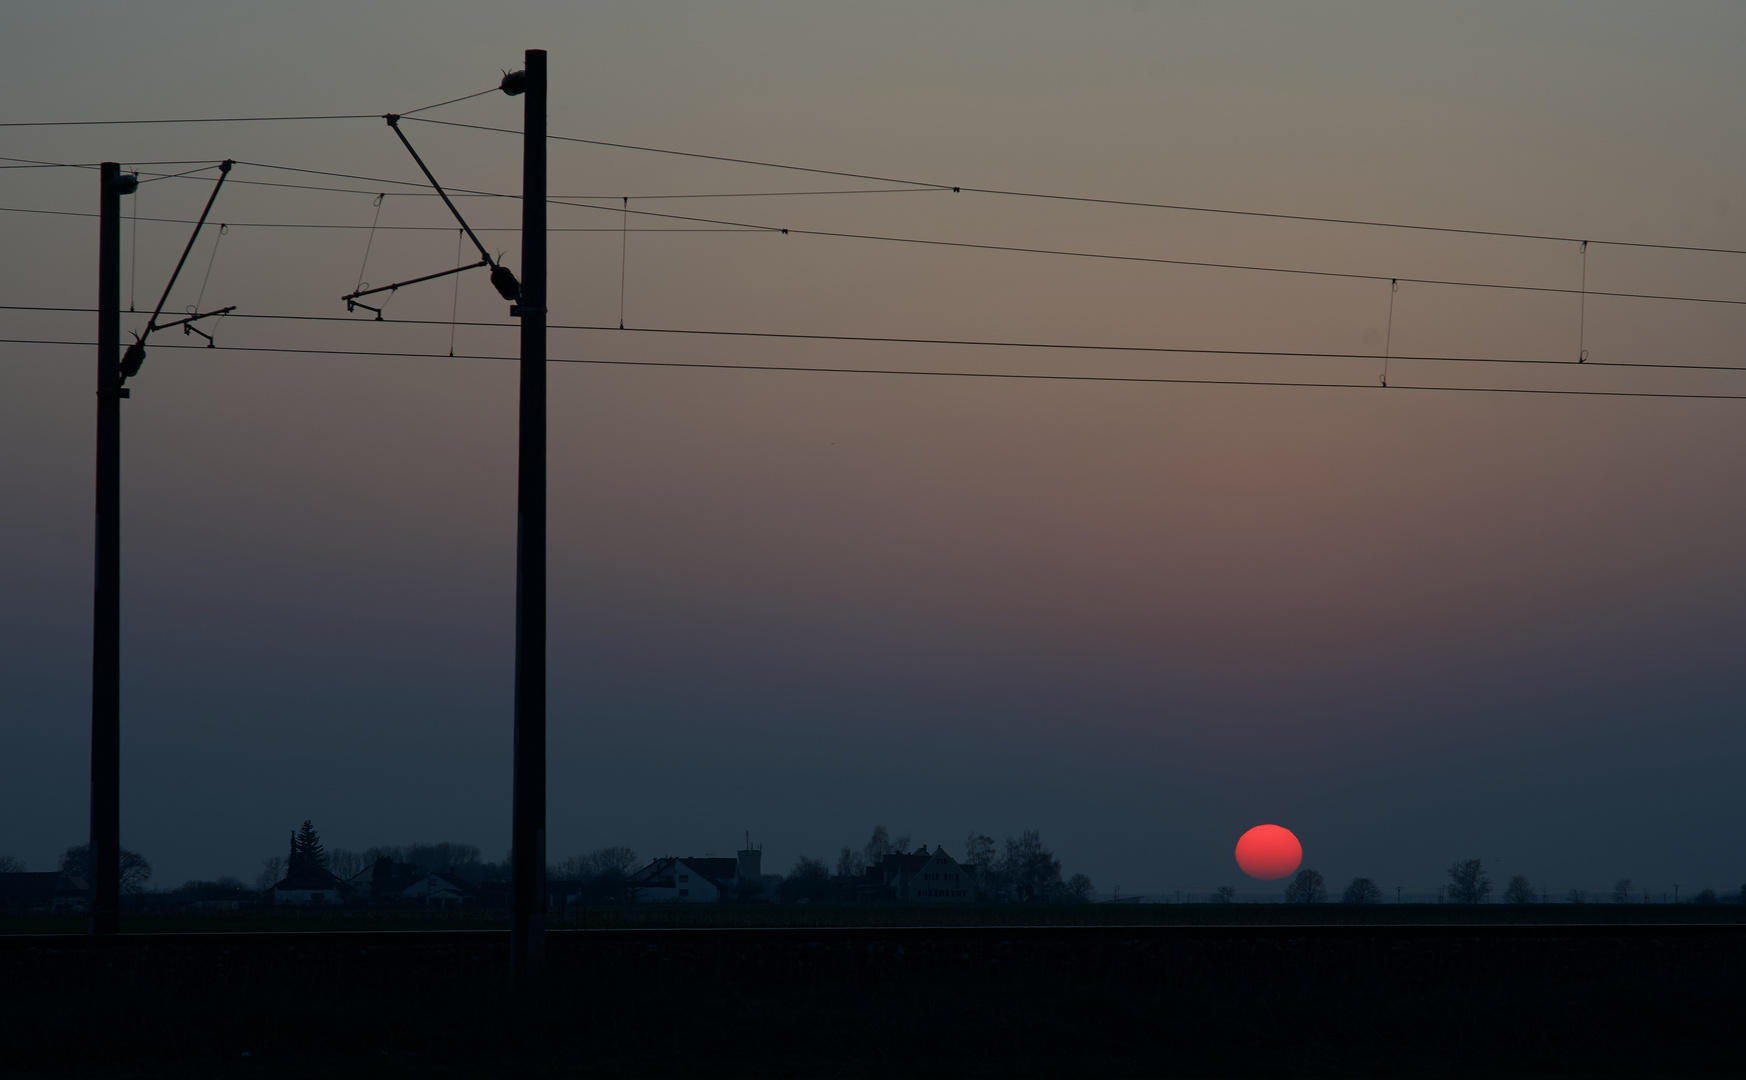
448	880
309	879
718	871
25	888
897	865
652	874
661	872
384	877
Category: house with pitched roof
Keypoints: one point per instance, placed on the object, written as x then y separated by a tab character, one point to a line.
383	880
440	890
691	880
307	879
308	885
46	891
919	877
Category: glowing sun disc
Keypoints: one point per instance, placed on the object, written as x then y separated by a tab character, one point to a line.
1269	852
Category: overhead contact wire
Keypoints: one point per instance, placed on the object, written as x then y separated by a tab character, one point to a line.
931	373
1057	346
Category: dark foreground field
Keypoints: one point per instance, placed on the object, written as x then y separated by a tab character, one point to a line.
836	916
962	1001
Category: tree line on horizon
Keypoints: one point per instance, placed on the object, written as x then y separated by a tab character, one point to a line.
1468	884
603	868
1023	870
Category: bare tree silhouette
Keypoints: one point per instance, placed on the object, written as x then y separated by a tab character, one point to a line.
1306	888
1362	891
1519	891
135	871
1468	883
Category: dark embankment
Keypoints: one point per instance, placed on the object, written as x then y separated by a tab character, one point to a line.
1104	1001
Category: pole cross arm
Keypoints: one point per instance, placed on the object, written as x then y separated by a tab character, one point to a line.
351	298
195	318
394	122
502	278
134	357
152	324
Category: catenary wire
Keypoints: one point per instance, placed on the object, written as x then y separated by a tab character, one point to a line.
180	175
133	247
703	157
1109	256
37	162
1161	261
452	101
1061	252
1014	193
731	225
984	343
764	194
383	228
934	373
187	120
425	188
1136	203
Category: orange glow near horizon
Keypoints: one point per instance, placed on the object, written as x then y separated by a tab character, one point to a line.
1269	852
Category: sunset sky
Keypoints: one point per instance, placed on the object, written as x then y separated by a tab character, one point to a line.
1411	625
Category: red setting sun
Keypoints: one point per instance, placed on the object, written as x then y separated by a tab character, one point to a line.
1269	852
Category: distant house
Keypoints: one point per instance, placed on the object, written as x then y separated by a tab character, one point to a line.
47	891
382	880
440	890
307	878
308	885
918	878
690	880
225	894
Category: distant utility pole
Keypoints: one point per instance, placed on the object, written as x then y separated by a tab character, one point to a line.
528	819
105	915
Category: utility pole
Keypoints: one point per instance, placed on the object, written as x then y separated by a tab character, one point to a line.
114	368
528	819
105	915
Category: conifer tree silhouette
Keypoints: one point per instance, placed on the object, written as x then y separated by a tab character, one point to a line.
306	850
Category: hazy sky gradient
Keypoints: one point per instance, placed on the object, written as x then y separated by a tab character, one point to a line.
1411	626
